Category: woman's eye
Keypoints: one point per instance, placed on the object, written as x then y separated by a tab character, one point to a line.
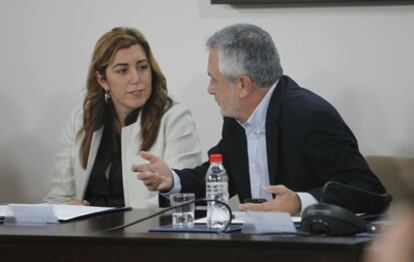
142	67
122	71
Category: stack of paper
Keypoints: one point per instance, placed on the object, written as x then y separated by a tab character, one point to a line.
41	214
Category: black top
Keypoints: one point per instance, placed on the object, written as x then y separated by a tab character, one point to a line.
105	182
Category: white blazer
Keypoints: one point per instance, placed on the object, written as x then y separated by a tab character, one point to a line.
177	143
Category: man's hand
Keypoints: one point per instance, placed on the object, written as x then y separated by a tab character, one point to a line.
155	175
286	200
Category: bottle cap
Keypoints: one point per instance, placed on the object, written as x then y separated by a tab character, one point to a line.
216	158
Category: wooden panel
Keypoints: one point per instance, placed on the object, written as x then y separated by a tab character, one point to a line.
313	2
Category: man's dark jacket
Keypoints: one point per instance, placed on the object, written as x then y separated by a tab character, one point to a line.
308	144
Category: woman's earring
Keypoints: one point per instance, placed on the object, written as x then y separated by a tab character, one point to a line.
107	97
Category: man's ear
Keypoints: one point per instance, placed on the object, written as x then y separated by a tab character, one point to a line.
102	81
245	86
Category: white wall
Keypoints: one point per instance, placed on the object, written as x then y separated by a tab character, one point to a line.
359	58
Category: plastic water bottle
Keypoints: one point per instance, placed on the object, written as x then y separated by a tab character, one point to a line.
217	188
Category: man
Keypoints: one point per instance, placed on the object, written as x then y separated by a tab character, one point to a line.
279	141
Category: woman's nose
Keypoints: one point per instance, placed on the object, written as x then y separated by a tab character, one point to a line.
135	76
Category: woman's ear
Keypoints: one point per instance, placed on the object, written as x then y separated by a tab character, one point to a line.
102	81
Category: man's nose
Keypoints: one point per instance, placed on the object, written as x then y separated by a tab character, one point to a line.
210	89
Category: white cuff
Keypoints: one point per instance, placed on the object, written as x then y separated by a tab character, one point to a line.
176	185
306	199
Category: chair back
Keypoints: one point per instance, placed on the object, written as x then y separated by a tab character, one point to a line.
396	173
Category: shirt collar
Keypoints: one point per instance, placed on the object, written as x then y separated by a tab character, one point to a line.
258	118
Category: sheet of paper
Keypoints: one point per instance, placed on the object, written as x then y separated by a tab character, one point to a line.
268	222
237	219
61	212
240	218
68	212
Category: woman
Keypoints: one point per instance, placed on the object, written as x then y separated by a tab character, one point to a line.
126	109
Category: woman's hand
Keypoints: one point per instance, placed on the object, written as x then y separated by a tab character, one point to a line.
78	202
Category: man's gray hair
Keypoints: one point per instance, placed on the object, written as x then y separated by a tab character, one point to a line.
246	49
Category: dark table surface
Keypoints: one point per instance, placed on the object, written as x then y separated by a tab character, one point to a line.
85	240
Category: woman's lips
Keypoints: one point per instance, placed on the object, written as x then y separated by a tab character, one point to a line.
136	92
